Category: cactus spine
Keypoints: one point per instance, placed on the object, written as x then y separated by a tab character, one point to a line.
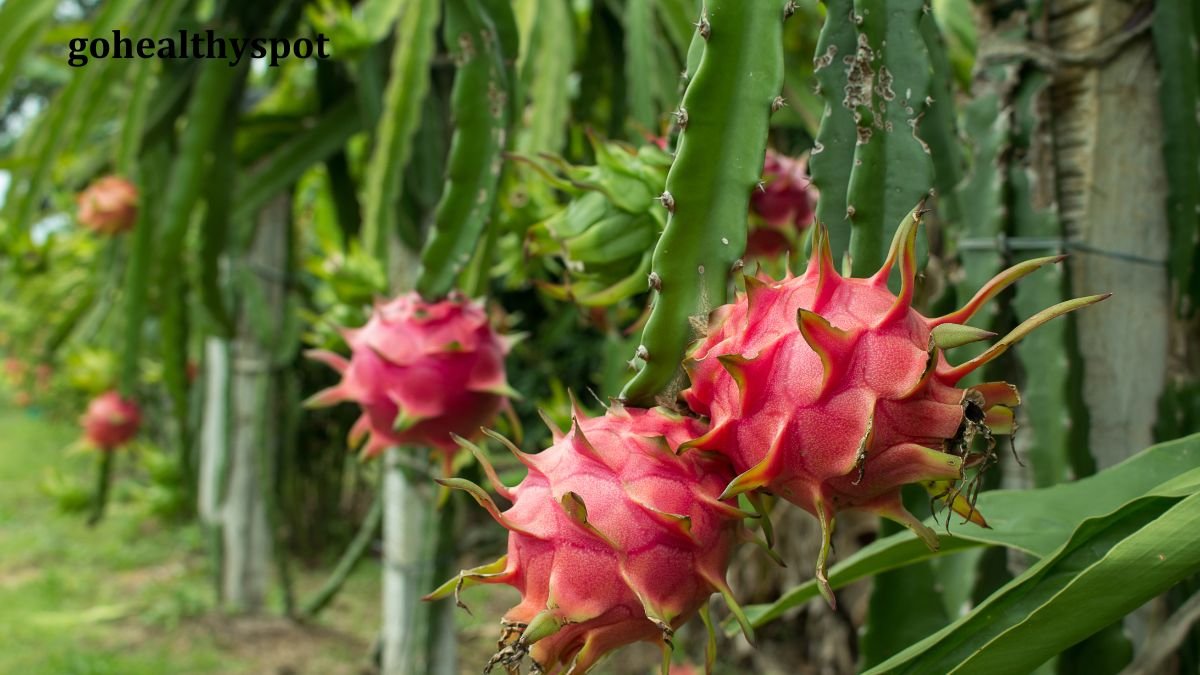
724	117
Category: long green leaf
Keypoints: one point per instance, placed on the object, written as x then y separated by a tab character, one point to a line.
1108	568
1034	521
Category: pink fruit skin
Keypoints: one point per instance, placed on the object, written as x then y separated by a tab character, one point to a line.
420	372
108	206
831	393
787	196
598	542
110	421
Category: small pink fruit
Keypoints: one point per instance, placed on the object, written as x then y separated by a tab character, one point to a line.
108	206
787	196
613	539
421	372
110	421
832	392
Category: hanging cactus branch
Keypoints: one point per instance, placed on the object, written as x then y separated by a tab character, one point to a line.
482	37
724	117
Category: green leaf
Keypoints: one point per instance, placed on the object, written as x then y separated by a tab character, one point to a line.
1034	521
1110	566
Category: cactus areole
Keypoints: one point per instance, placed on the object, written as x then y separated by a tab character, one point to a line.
421	372
108	206
613	539
110	421
832	392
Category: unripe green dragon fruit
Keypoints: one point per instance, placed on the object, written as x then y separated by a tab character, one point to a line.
613	539
832	392
604	237
421	372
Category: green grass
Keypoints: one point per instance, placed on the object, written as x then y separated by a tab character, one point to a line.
135	594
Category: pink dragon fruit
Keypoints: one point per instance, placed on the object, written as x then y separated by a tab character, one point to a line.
783	206
613	539
110	421
832	392
421	371
108	206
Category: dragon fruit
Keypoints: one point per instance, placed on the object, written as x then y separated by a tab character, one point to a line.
613	539
110	421
832	392
108	206
421	371
782	206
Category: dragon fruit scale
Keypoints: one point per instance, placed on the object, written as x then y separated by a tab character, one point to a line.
110	421
421	372
832	393
614	538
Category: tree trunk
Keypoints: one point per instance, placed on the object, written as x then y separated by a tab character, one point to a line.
247	534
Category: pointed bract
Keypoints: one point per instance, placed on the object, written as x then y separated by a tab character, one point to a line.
613	539
849	396
421	372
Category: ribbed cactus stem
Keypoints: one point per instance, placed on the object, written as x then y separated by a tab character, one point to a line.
833	153
724	116
887	87
482	37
